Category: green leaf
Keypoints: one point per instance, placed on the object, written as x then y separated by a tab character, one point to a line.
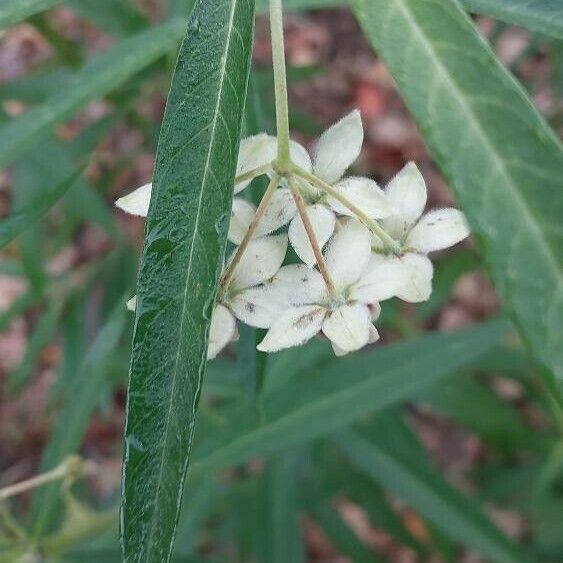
301	5
390	459
97	78
20	219
73	420
279	537
501	158
14	11
182	259
543	16
341	392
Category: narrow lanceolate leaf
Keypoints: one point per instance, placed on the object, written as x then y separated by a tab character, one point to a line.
13	11
21	219
503	161
339	393
97	78
182	258
398	467
543	16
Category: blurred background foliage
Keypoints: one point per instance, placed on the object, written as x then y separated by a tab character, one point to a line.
466	440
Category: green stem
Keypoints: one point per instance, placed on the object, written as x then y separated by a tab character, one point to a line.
251	174
230	270
389	243
280	81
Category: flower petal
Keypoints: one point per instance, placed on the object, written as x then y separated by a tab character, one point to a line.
348	252
384	278
137	202
280	212
363	193
300	156
438	229
348	327
241	217
323	222
258	306
132	304
293	328
298	285
418	283
221	332
406	192
254	152
262	259
338	148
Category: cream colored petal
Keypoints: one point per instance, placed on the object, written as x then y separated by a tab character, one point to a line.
293	328
280	212
298	285
137	202
384	278
348	327
300	156
258	306
132	304
373	334
406	193
254	152
241	216
418	284
261	260
338	148
221	332
323	222
437	230
348	252
363	193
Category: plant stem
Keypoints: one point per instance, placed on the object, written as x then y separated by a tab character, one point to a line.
280	81
302	209
266	199
390	244
251	174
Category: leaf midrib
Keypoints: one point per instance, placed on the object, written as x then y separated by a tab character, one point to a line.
477	126
190	262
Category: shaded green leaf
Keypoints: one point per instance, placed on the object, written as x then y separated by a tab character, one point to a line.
182	258
14	11
503	161
543	16
341	392
97	78
20	219
390	460
73	420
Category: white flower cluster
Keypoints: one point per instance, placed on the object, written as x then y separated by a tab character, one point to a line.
359	245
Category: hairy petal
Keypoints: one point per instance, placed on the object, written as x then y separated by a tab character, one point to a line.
298	285
262	259
222	330
348	327
257	306
323	222
437	230
406	193
254	152
241	216
137	202
348	252
295	327
363	193
418	283
280	212
338	148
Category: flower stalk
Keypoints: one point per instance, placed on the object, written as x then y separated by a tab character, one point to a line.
280	83
301	208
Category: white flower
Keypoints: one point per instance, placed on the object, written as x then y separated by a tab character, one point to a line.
335	152
409	275
344	318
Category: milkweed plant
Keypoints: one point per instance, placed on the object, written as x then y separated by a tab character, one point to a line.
310	264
